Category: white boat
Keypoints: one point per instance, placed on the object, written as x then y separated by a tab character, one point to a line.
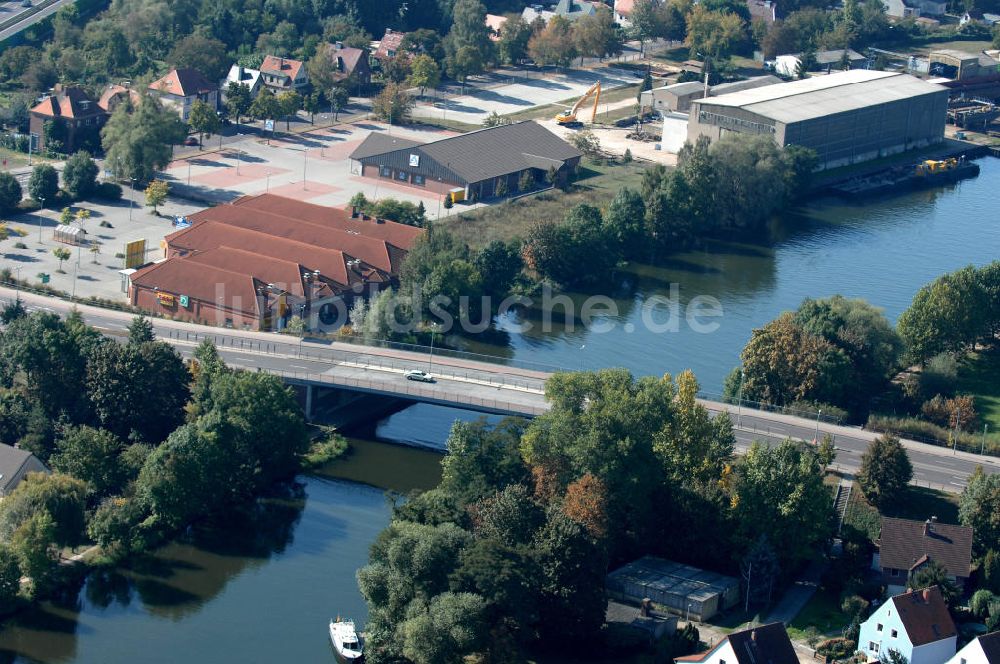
345	640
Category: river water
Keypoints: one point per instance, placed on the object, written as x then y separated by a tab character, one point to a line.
261	587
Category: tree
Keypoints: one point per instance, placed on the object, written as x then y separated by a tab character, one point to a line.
393	104
826	451
512	43
646	21
138	143
156	194
424	73
948	314
32	545
779	492
451	627
43	185
90	455
597	35
140	331
238	99
893	656
10	193
885	471
66	216
624	221
339	99
806	63
468	45
312	104
979	507
554	44
586	503
10	579
62	254
266	106
760	569
717	34
290	103
499	263
61	497
204	120
931	574
80	175
206	55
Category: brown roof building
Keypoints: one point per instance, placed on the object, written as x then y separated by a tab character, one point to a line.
389	47
180	88
76	120
905	546
262	259
350	61
283	74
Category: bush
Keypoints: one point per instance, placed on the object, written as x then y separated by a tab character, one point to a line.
20	245
108	191
980	603
10	193
911	427
324	451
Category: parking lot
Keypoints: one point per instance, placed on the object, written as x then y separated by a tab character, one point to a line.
313	167
532	89
89	273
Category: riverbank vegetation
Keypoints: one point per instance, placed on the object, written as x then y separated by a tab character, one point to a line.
140	444
931	377
508	554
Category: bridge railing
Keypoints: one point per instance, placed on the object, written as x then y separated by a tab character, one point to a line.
360	359
413	390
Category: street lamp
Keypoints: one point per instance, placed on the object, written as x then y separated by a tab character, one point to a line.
739	407
982	448
818	413
430	360
41	199
131	200
267	183
305	158
687	618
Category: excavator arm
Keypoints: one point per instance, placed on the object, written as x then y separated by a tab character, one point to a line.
570	115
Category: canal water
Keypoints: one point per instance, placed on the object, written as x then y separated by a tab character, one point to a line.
262	586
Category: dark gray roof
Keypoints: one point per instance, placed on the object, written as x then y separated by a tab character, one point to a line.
489	153
379	143
12	460
990	644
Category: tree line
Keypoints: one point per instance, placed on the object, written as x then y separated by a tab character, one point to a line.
843	356
140	443
508	554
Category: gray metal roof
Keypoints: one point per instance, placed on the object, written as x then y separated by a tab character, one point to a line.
683	88
378	143
825	95
487	153
745	84
675	578
12	460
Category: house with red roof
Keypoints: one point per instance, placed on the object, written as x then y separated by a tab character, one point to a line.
390	45
766	644
66	120
180	88
915	624
622	10
283	74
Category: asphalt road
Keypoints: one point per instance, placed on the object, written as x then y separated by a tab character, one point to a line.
14	8
489	387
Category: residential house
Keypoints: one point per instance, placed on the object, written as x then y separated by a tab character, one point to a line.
570	10
983	650
115	95
76	120
389	46
788	65
622	11
248	77
767	644
914	8
180	88
495	23
916	624
283	74
476	162
905	546
15	464
763	10
353	63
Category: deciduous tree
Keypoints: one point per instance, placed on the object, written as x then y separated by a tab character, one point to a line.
885	471
80	175
43	184
204	120
156	194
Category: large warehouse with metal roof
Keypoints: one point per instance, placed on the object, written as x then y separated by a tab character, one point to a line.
847	117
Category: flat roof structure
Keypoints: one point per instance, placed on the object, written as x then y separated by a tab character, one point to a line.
674	585
825	95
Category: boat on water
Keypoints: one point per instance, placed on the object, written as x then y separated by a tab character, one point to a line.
345	640
926	173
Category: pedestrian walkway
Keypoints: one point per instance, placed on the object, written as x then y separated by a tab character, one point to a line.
798	594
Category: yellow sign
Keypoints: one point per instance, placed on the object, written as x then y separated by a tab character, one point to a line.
166	299
135	253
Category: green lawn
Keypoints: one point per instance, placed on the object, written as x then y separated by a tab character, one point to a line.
822	612
19	159
978	375
958	45
596	185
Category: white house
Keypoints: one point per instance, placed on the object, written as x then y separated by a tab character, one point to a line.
623	8
983	650
767	644
249	77
915	624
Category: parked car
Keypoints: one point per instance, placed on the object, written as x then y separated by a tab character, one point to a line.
420	376
26	3
191	140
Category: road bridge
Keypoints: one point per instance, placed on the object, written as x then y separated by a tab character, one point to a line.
483	386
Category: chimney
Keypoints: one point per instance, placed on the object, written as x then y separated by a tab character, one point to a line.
753	635
645	607
242	71
933	519
927	527
926	594
354	212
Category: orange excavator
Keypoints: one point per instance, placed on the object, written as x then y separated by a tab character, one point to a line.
568	118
